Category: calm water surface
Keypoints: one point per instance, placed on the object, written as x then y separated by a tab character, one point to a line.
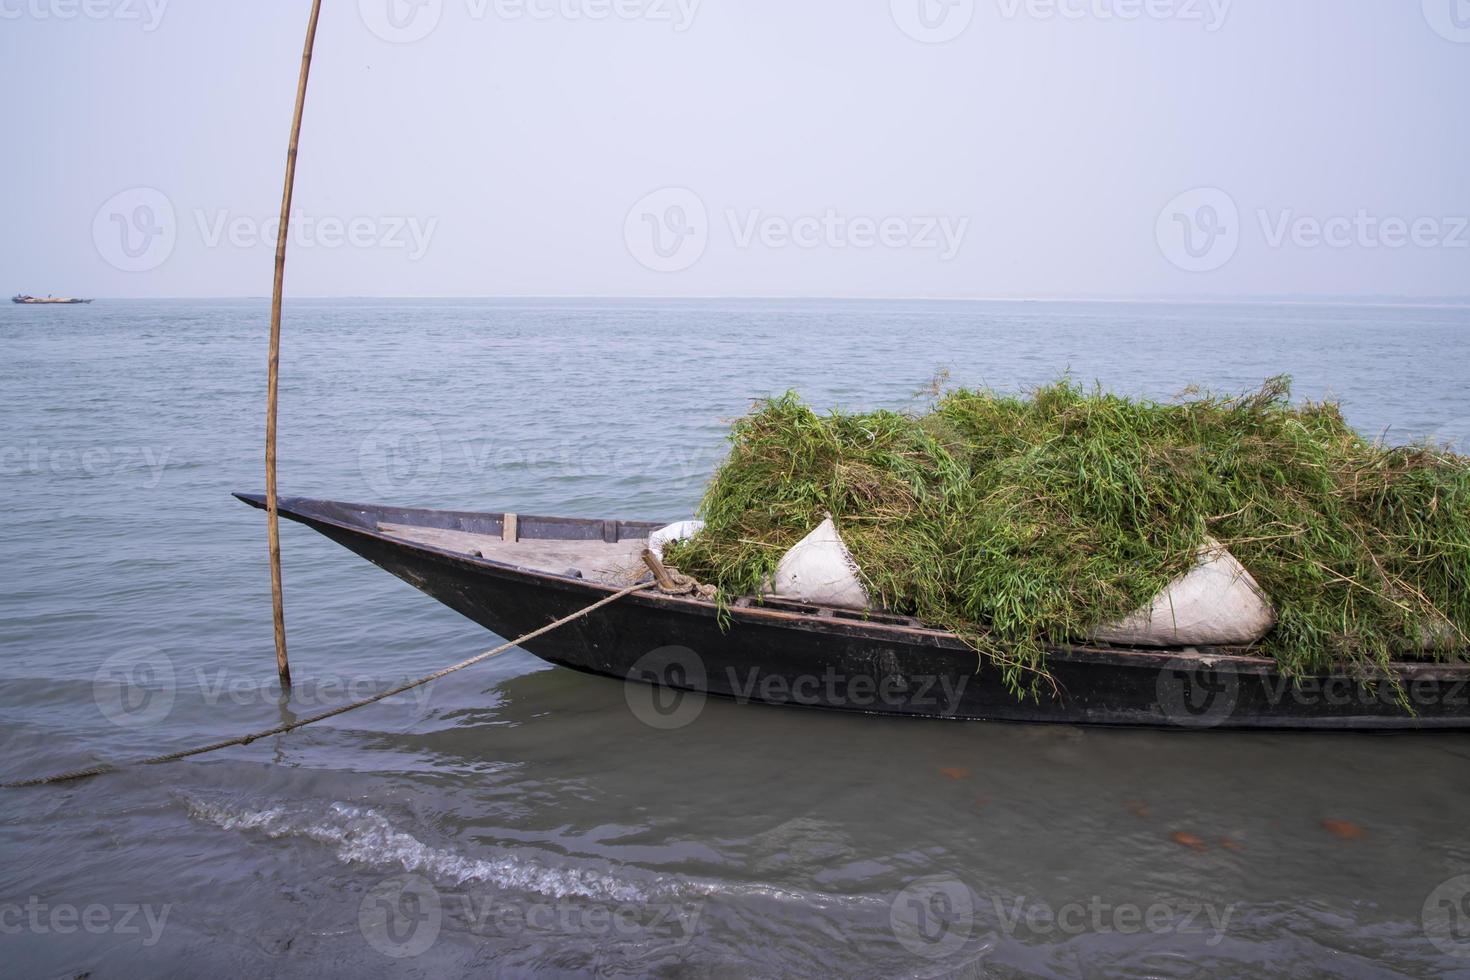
518	819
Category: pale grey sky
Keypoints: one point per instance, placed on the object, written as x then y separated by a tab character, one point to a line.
945	148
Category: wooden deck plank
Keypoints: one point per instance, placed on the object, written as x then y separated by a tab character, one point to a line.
597	560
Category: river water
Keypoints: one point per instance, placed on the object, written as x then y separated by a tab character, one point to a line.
516	818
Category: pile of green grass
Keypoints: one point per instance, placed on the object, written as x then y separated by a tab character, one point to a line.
1024	522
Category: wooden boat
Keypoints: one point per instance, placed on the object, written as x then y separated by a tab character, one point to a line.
47	300
512	574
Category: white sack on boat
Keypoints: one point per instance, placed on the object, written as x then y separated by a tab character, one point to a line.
678	531
1216	603
819	569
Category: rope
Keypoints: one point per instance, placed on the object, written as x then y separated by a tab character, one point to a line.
343	709
671	581
681	584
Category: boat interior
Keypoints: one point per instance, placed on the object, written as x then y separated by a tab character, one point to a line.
609	562
607	552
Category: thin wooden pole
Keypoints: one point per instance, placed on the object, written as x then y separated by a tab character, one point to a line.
273	369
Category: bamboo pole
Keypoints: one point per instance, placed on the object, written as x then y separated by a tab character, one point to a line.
273	368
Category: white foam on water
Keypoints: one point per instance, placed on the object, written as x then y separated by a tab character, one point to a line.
362	835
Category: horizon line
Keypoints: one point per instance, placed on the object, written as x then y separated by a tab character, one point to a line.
1267	300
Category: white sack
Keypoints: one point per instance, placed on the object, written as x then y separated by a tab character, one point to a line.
678	531
820	570
1216	603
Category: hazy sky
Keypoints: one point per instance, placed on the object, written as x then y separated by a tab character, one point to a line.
947	148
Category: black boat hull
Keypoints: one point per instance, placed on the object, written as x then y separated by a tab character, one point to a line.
821	659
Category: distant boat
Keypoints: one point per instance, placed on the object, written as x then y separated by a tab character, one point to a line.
47	301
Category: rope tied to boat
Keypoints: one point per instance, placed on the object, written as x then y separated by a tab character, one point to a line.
671	581
333	712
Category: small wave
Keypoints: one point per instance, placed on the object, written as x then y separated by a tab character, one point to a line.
364	836
361	835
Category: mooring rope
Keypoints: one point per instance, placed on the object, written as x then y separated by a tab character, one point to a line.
343	709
